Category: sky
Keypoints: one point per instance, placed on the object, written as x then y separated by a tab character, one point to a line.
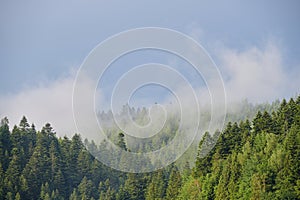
254	44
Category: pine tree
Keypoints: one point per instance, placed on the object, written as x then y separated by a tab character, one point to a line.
45	191
1	181
203	160
121	141
191	189
84	163
13	172
38	169
156	189
56	175
105	191
5	143
135	186
74	195
174	184
76	147
18	196
28	138
87	189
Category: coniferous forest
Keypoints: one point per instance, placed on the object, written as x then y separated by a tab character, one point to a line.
256	158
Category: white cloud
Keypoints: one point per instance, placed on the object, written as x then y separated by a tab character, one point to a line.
257	74
51	102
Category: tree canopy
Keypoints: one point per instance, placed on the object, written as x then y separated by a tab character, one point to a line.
256	158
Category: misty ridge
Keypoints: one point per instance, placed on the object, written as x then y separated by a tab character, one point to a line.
170	116
256	74
162	125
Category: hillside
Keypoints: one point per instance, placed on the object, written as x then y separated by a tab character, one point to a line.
252	159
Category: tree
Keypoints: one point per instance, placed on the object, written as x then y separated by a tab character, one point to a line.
27	137
191	189
76	147
203	160
174	184
86	189
1	181
156	189
251	160
105	191
121	141
135	186
45	191
74	195
13	172
5	143
38	168
18	197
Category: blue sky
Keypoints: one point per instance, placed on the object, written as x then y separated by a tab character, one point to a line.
44	41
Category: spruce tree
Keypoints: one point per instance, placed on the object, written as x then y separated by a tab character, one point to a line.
174	184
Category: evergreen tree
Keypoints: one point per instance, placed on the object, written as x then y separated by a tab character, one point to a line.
251	160
74	195
121	141
174	184
135	186
45	191
156	189
105	191
5	143
13	172
86	189
1	181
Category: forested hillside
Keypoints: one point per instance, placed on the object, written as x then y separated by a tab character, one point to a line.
252	159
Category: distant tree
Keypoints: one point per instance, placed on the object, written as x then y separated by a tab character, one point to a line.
256	159
121	141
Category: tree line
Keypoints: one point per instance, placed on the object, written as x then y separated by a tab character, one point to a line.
251	159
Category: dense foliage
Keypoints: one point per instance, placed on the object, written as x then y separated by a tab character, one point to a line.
258	159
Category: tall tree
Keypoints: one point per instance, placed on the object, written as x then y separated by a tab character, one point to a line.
174	184
13	172
5	143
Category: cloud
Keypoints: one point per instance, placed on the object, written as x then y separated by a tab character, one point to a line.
50	102
257	74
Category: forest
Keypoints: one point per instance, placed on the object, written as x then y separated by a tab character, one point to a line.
254	157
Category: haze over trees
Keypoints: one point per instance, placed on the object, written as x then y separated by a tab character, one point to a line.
255	157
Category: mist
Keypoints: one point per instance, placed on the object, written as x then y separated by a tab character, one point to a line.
257	74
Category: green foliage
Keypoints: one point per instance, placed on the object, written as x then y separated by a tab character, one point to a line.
256	159
134	186
86	189
252	161
157	186
174	184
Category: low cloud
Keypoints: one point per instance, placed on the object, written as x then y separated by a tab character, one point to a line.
51	102
257	74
